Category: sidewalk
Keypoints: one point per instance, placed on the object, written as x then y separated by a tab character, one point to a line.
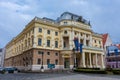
81	77
48	71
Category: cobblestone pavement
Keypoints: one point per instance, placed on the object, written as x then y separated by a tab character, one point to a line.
57	76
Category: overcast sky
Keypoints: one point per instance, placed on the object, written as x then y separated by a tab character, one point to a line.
15	14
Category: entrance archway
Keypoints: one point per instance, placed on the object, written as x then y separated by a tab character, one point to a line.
66	62
66	58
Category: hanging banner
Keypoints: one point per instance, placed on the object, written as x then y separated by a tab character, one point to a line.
78	46
76	42
81	45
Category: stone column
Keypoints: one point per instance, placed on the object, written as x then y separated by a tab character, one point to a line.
85	39
96	60
102	61
90	59
83	59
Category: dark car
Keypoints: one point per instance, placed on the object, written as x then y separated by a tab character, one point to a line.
11	70
2	70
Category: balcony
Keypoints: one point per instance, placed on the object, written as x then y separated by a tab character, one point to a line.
92	48
66	48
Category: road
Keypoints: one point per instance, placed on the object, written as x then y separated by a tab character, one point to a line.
57	76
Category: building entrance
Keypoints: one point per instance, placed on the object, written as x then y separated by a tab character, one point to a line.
66	62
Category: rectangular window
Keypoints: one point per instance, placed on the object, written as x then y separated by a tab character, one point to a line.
40	30
48	61
48	43
65	23
56	33
87	42
39	41
56	44
48	31
48	53
56	61
39	61
39	52
56	54
64	44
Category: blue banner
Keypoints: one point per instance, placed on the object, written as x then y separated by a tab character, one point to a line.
76	42
81	47
78	46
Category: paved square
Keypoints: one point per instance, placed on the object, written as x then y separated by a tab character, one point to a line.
58	76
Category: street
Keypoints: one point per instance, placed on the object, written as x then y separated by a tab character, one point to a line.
58	76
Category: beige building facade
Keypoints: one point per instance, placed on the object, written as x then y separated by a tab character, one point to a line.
45	41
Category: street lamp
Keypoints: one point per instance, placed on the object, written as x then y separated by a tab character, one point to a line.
116	53
74	58
42	68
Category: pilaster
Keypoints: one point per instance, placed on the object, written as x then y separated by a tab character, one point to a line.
35	37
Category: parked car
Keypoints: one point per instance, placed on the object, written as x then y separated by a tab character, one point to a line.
11	70
2	70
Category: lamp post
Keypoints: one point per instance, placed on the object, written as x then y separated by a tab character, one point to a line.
74	67
116	53
42	68
116	62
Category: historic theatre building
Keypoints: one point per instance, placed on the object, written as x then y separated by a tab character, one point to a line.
45	41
